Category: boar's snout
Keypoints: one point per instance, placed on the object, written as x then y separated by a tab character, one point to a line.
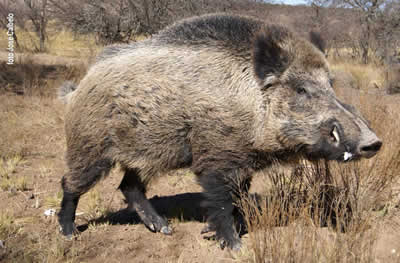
344	136
367	143
369	146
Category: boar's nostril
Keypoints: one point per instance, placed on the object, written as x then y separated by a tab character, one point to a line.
371	148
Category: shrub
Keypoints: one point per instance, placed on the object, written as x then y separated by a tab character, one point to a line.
392	79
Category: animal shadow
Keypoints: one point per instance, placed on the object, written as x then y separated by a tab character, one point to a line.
185	207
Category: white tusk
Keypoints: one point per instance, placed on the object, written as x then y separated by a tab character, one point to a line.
347	156
336	135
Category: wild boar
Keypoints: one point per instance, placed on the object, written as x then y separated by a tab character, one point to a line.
223	95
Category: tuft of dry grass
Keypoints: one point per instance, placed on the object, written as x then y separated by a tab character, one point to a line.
323	212
8	225
53	201
95	206
9	180
9	165
14	184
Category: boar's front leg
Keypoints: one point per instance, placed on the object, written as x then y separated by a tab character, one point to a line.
222	189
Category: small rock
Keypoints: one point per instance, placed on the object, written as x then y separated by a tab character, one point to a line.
393	251
13	191
373	85
50	212
2	244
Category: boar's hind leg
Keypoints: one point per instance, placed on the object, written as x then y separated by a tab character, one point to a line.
221	190
134	191
74	184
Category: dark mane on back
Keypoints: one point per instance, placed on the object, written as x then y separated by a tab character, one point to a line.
214	28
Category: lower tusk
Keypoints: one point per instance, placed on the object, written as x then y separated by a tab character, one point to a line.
347	156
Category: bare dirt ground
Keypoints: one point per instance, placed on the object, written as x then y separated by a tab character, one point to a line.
31	127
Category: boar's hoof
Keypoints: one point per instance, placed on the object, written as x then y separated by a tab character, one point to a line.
69	230
237	246
157	224
232	242
234	245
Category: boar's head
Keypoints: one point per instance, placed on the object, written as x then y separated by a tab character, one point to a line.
302	111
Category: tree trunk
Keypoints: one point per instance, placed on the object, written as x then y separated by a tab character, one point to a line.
365	54
366	38
42	25
41	40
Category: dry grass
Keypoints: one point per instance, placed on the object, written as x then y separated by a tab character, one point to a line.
8	226
67	44
8	166
366	76
95	206
59	43
353	201
25	121
9	180
53	201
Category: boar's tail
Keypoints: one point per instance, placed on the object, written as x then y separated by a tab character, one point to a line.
66	90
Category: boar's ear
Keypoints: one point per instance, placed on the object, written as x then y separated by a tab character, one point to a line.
271	56
317	40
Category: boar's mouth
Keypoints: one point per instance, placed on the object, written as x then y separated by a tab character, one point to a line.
333	145
335	138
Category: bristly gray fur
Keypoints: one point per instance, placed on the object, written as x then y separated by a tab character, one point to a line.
66	90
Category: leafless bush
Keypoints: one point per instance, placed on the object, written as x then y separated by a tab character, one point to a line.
386	32
30	14
123	20
392	78
372	26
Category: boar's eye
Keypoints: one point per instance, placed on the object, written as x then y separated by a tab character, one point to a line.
301	90
267	86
